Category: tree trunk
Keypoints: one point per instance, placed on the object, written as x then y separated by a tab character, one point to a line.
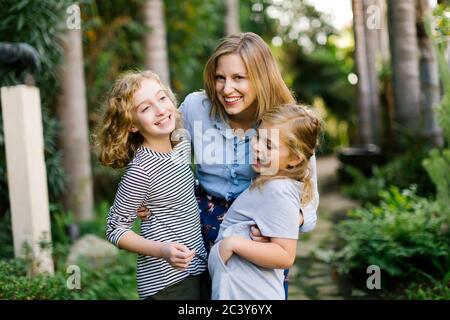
383	35
405	66
371	33
74	136
365	124
232	17
429	76
156	55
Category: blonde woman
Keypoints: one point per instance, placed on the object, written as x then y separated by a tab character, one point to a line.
140	117
242	269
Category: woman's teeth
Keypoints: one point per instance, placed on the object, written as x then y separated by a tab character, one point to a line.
232	99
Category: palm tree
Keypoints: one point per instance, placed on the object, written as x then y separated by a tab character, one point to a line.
405	64
383	35
365	124
232	17
371	38
74	139
429	75
156	56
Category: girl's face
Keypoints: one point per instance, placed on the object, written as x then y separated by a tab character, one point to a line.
154	112
270	152
233	87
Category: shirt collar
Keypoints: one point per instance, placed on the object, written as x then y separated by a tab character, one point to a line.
225	129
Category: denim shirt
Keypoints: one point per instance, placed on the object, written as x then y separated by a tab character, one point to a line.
223	160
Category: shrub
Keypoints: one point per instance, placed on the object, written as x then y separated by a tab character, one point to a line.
405	235
402	172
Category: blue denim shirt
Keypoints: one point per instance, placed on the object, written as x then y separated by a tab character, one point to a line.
223	160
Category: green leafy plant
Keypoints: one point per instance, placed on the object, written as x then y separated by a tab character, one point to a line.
405	235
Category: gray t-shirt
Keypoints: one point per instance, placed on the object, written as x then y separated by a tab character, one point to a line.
274	208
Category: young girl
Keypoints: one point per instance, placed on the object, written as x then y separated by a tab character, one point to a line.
244	269
136	132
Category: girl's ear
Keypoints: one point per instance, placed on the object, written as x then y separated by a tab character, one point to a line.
294	161
133	129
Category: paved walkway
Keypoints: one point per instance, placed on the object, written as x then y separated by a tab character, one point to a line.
312	277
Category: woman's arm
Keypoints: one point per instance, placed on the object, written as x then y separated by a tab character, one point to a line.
279	253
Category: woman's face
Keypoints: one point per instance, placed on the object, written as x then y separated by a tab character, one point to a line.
233	87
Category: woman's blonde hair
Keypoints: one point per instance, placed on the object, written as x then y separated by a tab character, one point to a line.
262	70
300	133
116	144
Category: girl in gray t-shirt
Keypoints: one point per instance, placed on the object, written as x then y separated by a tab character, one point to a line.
244	269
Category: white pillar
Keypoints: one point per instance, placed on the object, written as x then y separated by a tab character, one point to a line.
27	179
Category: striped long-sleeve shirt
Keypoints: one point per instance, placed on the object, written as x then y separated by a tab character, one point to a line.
164	183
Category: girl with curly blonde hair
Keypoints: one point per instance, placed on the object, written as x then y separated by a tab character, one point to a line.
138	133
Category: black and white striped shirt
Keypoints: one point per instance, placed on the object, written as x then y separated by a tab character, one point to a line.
164	183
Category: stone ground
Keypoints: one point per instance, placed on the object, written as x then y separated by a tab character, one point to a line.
311	277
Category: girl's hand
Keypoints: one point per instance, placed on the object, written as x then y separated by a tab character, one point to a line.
256	235
143	213
177	255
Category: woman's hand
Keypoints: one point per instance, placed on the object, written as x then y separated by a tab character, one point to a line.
177	255
143	213
255	235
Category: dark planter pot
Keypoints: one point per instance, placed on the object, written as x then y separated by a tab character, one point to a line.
363	157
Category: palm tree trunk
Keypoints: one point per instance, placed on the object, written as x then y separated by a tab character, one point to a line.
74	136
383	35
372	52
405	65
232	17
156	56
365	125
429	76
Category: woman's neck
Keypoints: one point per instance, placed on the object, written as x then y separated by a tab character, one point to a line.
244	120
162	144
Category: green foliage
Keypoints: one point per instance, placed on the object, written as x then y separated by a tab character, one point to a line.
16	285
402	171
438	167
194	28
431	290
6	247
405	235
113	42
115	282
438	162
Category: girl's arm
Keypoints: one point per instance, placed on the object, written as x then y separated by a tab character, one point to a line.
178	255
279	253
